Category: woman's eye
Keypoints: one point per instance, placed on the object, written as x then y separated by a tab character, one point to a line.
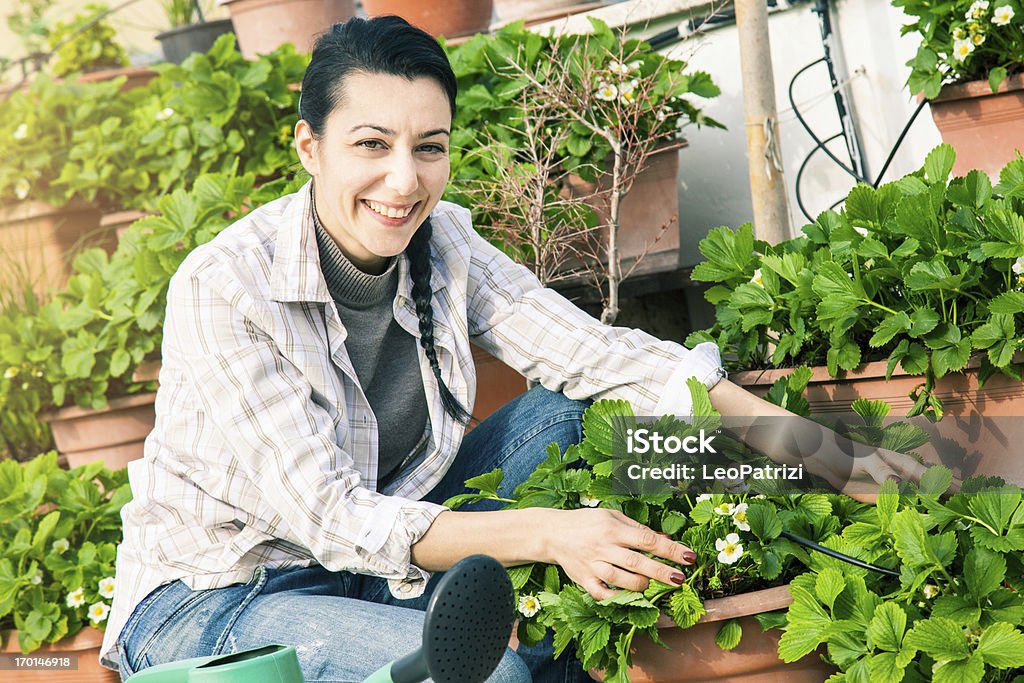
371	144
433	149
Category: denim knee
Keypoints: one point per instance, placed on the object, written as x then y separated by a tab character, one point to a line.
511	669
562	415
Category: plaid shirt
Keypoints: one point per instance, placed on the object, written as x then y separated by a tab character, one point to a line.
265	448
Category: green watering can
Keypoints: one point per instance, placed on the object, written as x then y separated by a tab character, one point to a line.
467	626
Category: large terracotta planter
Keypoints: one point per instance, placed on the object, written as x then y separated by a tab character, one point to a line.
178	43
538	10
263	25
984	128
693	656
449	19
38	242
115	434
648	215
83	648
980	432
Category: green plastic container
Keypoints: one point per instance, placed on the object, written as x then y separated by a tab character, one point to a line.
270	664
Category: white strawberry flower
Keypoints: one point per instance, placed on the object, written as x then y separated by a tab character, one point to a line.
962	49
739	517
21	132
729	548
587	501
959	34
1002	15
627	91
863	232
21	188
528	605
164	114
724	509
606	91
11	373
978	39
618	68
977	10
61	545
76	598
757	279
107	587
869	264
634	65
98	612
930	590
704	496
37	579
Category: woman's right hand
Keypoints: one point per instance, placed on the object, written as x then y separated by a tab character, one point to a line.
603	550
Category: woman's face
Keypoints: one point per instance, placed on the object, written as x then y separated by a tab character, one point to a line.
381	164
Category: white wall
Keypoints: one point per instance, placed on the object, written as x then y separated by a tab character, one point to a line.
714	188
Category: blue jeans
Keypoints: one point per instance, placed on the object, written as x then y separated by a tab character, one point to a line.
345	626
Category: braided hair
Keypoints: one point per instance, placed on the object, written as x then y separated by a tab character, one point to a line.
384	45
418	253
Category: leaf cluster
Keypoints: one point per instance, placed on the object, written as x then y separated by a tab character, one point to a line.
58	533
126	150
85	44
993	49
954	613
924	272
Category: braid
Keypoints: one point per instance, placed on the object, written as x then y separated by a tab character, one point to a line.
418	252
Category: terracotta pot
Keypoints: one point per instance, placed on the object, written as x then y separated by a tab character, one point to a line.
648	215
120	221
530	11
496	383
263	25
83	649
983	127
178	43
978	434
694	657
38	242
115	434
449	19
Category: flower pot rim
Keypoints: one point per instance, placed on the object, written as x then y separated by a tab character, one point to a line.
214	23
88	638
28	209
980	88
74	412
742	605
819	373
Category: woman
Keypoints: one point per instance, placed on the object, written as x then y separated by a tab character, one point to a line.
316	380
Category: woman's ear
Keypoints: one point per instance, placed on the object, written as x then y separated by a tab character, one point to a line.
306	146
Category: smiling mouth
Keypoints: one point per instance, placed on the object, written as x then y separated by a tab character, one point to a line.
389	211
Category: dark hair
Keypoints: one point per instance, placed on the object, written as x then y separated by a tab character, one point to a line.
381	45
385	45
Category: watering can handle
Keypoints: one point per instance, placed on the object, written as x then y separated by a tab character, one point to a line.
381	675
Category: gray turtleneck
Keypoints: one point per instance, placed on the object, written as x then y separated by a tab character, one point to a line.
384	355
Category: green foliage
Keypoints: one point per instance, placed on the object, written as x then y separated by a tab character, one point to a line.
952	613
533	109
58	536
184	12
126	150
85	344
963	40
925	272
85	44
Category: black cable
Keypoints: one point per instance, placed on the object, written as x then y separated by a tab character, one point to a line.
838	555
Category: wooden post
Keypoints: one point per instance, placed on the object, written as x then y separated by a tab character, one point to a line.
764	151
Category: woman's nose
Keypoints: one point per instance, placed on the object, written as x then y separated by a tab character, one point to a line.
401	175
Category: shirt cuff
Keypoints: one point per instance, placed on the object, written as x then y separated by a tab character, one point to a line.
386	539
704	362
